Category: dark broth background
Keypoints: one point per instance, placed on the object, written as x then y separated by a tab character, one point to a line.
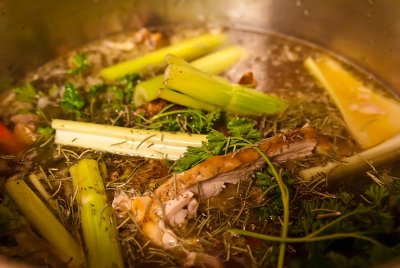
277	64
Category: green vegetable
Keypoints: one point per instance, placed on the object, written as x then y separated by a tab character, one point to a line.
285	203
79	64
9	221
94	92
184	120
386	152
26	93
218	91
71	100
45	132
129	83
217	143
125	141
321	221
46	224
244	128
38	186
188	49
213	63
184	100
97	219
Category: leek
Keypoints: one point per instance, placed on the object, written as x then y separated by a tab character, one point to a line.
370	117
97	219
363	161
188	49
213	63
45	223
125	141
215	90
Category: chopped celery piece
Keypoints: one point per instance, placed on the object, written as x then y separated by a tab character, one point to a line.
187	49
97	219
218	91
370	117
184	78
184	100
220	60
147	90
35	182
247	101
213	63
44	222
125	141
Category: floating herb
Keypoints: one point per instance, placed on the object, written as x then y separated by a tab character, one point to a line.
79	64
71	101
26	93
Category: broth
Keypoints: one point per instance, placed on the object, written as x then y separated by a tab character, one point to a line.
277	63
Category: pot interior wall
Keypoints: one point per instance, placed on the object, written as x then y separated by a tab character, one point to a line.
364	31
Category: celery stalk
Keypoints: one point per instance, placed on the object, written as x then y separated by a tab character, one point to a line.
213	63
219	61
125	141
383	153
148	90
218	91
247	101
184	100
34	180
188	49
184	78
97	219
45	223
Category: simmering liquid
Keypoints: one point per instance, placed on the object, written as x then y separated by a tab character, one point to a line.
277	64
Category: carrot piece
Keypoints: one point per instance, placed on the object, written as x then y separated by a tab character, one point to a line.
9	143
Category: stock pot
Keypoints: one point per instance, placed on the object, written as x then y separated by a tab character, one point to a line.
366	32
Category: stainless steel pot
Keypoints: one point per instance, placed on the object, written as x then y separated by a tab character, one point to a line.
366	32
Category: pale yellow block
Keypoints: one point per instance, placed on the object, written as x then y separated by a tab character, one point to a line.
370	117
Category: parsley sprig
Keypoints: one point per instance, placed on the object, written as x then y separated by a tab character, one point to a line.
79	64
184	120
242	132
71	101
26	93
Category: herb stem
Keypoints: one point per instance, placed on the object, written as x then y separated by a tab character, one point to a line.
305	239
332	223
285	202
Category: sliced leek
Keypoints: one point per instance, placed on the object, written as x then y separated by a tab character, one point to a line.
125	141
